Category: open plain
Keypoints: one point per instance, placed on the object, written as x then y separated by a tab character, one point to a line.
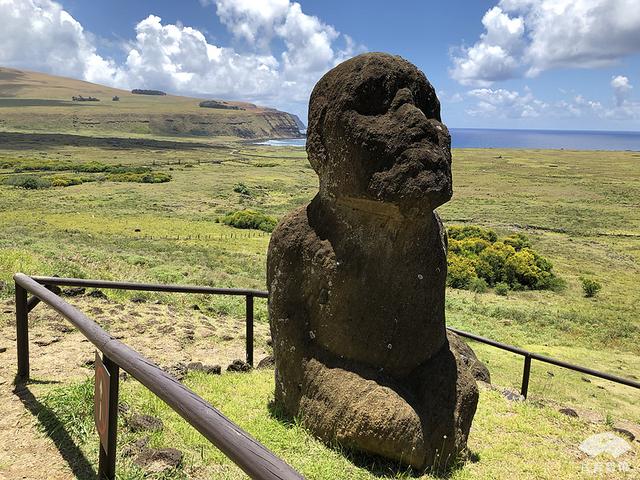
580	210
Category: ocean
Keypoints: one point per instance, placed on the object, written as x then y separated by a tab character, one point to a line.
529	139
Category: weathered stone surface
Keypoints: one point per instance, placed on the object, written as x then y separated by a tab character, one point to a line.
478	370
266	362
357	277
138	423
158	460
629	429
238	366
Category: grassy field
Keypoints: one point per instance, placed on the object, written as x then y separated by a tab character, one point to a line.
502	431
580	210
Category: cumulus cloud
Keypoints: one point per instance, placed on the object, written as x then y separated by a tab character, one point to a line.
621	89
505	103
502	103
41	35
494	56
526	37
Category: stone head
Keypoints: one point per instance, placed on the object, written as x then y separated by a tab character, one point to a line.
375	133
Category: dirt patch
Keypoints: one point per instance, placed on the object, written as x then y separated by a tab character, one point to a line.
164	334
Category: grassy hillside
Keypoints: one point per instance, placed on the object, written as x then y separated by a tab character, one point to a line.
31	101
579	209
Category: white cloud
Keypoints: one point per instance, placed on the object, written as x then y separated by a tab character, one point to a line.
621	89
41	35
530	36
502	103
494	56
505	103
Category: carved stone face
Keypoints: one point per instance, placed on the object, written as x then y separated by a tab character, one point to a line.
375	133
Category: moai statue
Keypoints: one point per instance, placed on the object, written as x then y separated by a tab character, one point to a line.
357	277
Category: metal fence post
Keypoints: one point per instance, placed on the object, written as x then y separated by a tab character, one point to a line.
107	460
525	376
22	333
249	325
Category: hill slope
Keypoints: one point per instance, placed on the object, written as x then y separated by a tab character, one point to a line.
34	101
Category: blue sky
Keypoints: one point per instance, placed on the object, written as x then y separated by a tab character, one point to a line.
556	64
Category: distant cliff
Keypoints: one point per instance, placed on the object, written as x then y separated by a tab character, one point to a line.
40	102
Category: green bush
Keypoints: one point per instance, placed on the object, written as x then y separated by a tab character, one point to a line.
476	253
502	289
478	285
460	271
590	287
250	219
29	182
242	189
151	177
472	231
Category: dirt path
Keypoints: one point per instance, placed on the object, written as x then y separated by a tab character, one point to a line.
60	355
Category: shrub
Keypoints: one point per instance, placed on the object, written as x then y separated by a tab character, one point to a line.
502	289
517	241
476	253
590	287
242	189
151	177
460	271
29	182
472	231
250	219
478	285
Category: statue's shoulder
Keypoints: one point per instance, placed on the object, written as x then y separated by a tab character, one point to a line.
291	233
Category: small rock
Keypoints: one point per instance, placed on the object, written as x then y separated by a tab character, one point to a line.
267	362
631	430
3	349
585	379
73	291
97	294
179	370
45	342
227	337
139	422
62	327
195	366
8	311
138	299
569	412
189	335
158	461
123	407
195	307
238	366
199	367
136	447
512	395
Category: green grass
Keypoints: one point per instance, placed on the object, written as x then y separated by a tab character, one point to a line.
502	431
579	210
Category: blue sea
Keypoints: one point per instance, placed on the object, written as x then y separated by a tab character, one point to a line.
530	139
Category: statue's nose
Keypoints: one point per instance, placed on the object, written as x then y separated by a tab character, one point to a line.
403	97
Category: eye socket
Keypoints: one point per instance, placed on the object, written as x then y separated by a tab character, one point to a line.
372	98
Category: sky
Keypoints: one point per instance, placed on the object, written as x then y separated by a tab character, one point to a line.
537	64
